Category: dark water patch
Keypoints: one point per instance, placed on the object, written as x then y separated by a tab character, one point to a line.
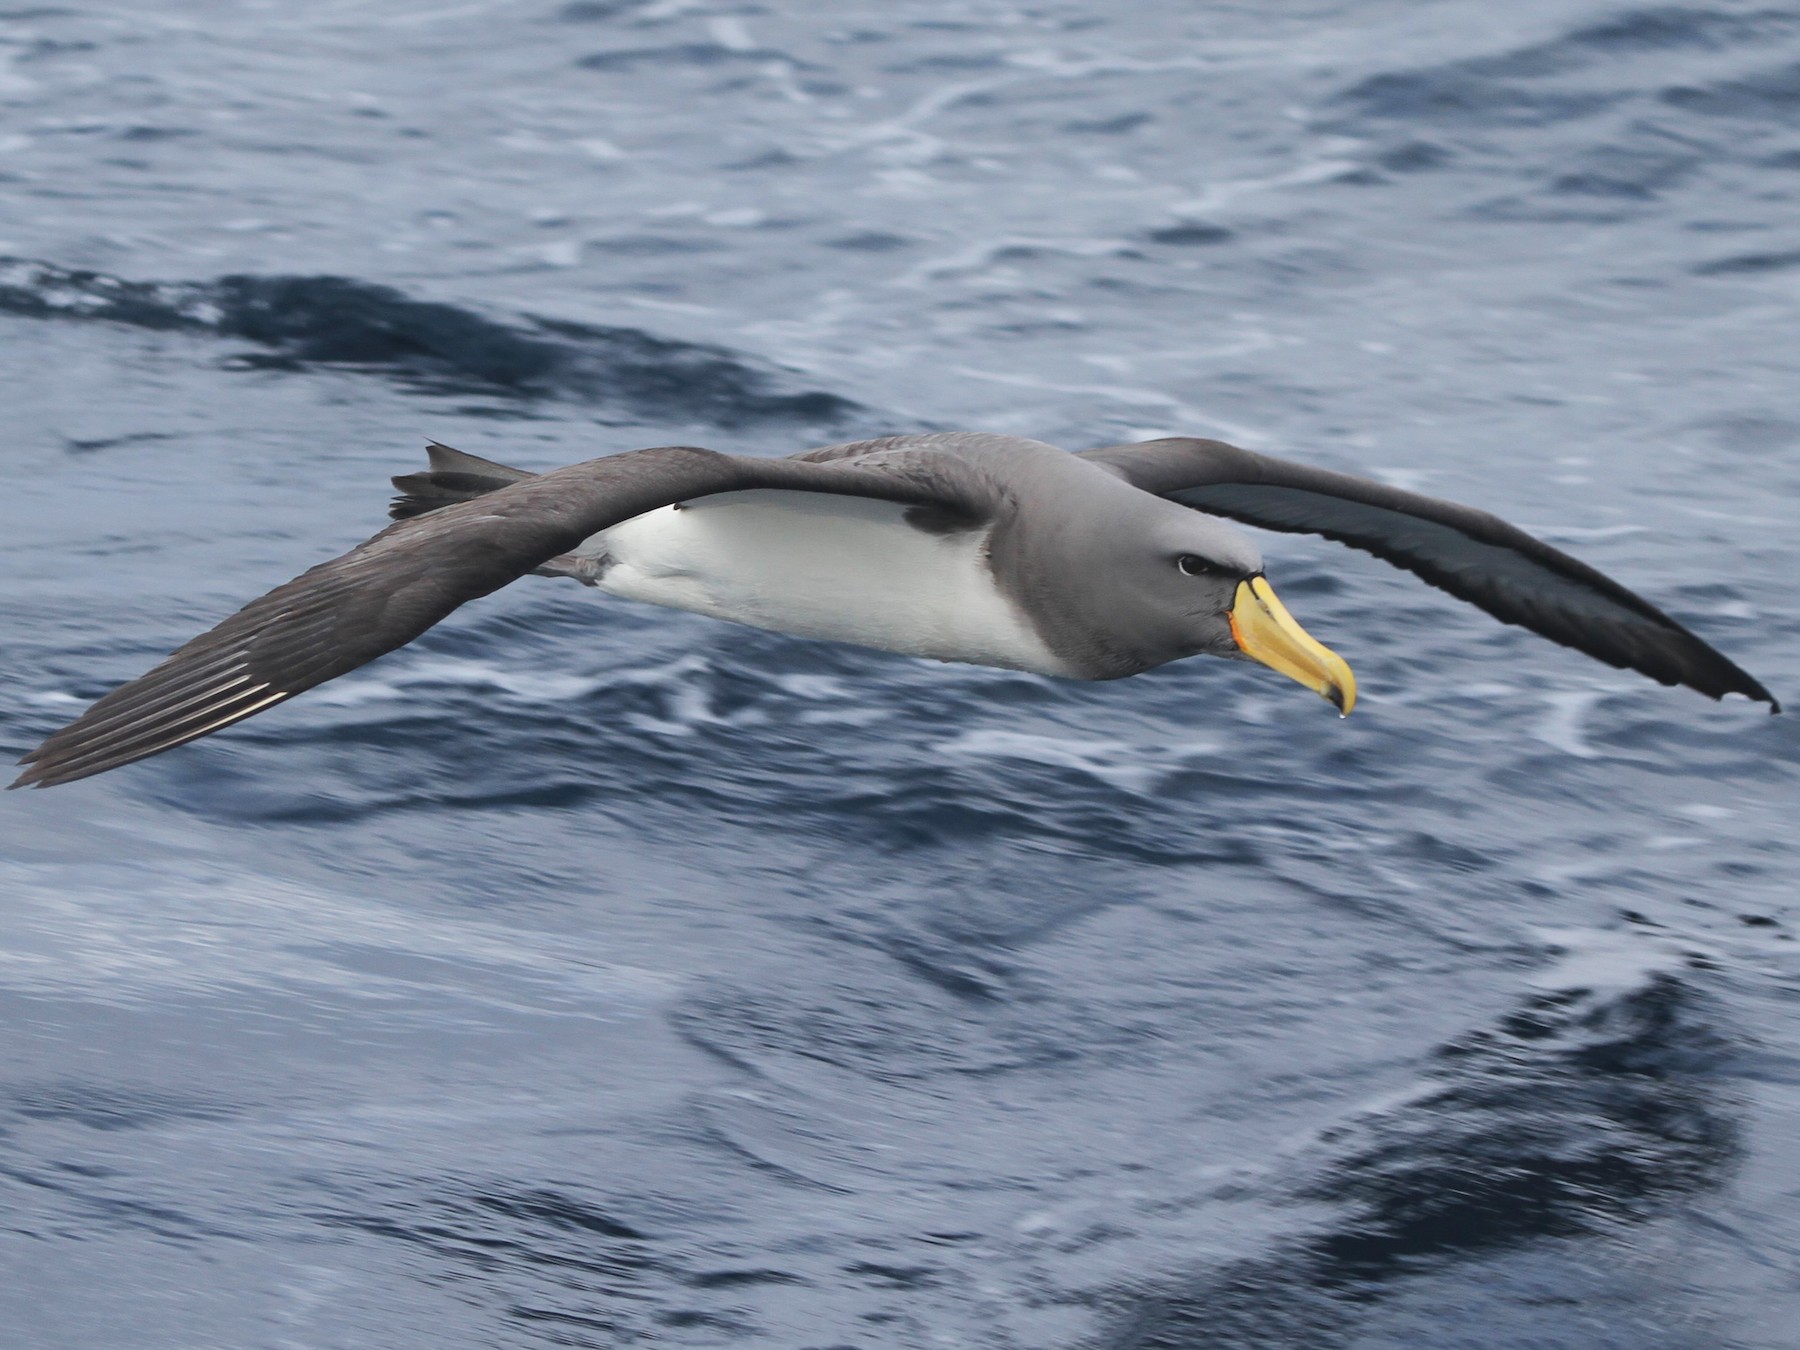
368	778
1749	264
657	245
1190	233
691	1317
677	54
564	1269
151	134
1528	211
1475	92
1573	1117
90	1196
79	1197
557	1211
1121	125
89	446
1750	433
569	1270
893	1277
776	158
42	49
430	346
948	63
1771	96
1414	156
928	809
1664	747
492	1229
1677	27
108	1109
1635	172
871	241
964	974
880	1028
1559	80
570	1325
738	1279
596	11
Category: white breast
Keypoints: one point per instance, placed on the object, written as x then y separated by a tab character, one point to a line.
822	566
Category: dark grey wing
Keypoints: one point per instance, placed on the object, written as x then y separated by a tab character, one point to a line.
388	590
1471	554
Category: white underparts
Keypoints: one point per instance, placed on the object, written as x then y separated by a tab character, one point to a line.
823	566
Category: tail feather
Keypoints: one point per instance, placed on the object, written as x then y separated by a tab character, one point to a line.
454	476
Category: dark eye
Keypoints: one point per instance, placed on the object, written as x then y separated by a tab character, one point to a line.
1192	565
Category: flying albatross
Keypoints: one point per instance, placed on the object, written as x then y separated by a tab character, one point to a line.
962	546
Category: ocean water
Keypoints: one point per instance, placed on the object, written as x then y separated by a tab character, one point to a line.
594	975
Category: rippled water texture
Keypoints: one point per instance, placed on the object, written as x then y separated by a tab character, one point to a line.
592	975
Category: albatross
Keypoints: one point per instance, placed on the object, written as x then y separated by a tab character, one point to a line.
962	546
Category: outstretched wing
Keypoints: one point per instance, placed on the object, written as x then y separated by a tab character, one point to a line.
1471	554
388	590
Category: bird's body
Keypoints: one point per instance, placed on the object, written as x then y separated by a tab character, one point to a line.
960	546
849	569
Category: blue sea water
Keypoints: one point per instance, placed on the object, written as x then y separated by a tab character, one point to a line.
594	975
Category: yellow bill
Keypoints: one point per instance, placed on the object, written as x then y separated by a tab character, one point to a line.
1266	631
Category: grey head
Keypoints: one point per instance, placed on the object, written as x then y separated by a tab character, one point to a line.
1119	580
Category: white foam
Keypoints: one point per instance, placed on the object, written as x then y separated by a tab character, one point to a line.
1705	811
54	698
812	686
731	34
523	686
1130	768
1563	727
1229	190
1610	961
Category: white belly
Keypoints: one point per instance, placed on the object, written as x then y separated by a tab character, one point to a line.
846	568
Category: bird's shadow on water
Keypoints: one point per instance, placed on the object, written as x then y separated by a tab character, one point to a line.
1576	1117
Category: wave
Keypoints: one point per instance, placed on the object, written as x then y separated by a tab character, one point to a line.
1598	121
299	322
1533	83
1595	1105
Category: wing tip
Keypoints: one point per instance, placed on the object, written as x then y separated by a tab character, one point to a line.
32	771
34	776
104	738
1762	695
1758	695
1741	681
